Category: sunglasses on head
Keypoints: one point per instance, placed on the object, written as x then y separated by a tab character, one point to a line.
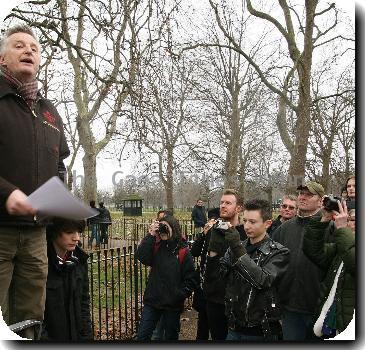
284	206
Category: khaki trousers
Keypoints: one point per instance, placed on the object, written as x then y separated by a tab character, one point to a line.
23	274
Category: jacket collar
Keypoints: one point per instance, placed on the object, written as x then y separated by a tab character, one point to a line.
7	89
262	246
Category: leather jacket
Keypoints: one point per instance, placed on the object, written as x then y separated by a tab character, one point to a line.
252	282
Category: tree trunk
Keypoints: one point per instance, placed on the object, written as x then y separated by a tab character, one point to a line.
296	171
231	163
70	178
90	183
169	187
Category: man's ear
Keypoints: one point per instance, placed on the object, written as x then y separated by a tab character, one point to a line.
239	209
268	223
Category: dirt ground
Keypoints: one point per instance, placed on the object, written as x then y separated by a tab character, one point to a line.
189	319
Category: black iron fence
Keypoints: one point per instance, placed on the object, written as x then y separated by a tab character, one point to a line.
117	281
124	232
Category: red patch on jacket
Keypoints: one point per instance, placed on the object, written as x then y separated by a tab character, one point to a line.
49	117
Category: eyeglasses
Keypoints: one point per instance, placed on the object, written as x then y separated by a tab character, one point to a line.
284	206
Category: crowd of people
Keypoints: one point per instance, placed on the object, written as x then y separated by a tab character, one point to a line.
258	279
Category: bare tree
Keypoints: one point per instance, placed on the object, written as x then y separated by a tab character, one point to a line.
300	47
163	117
330	118
100	45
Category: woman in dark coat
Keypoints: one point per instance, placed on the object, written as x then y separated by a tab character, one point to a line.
67	312
172	278
337	260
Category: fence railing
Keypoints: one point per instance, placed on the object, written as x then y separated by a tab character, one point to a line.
117	282
124	232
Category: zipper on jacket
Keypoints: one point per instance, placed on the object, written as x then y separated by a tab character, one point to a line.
35	143
250	294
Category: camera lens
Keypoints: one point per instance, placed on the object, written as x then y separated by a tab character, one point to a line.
162	228
330	203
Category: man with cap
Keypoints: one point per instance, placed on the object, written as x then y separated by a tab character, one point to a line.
299	288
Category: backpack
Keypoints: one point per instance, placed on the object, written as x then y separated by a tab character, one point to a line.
181	254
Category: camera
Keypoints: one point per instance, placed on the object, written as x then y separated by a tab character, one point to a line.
163	229
330	203
222	225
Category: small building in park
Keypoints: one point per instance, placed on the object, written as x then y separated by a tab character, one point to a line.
132	205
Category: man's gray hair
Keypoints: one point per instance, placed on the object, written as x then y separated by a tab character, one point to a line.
19	28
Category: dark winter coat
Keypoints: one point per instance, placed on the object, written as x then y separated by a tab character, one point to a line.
169	282
94	219
328	257
67	312
252	281
199	216
275	224
104	216
32	148
299	289
213	285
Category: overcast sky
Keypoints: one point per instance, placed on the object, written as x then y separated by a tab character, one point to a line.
107	167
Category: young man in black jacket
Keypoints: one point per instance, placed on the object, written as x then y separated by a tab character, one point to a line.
213	285
67	313
253	270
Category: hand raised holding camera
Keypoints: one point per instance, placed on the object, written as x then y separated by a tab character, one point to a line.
208	225
341	216
153	228
329	206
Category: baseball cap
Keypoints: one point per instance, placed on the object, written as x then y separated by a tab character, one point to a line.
312	187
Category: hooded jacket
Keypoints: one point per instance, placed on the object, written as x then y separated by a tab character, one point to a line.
169	282
67	312
32	147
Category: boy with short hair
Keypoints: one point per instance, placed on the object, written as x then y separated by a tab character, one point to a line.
67	312
253	268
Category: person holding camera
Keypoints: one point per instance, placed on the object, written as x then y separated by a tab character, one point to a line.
172	278
214	286
298	292
337	260
253	270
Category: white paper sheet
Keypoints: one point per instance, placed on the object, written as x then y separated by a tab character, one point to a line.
54	199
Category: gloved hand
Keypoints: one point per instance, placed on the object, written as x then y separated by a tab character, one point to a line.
233	238
217	242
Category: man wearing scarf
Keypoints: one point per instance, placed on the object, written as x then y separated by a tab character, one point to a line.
32	150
